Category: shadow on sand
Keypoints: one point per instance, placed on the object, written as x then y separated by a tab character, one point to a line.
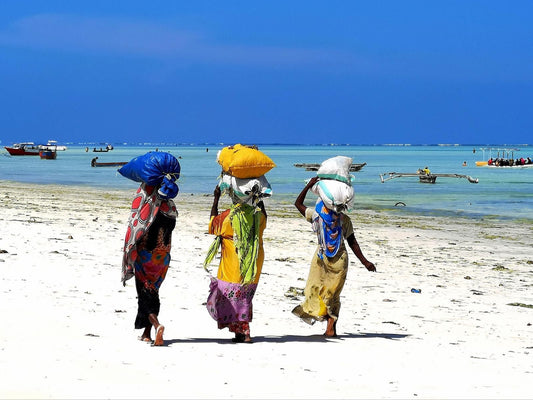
292	338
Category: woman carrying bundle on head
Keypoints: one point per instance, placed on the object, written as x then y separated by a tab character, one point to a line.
239	235
148	237
329	264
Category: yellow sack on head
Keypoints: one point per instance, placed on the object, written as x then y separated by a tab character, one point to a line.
244	161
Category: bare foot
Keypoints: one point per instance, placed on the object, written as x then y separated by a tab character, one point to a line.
145	338
239	338
159	336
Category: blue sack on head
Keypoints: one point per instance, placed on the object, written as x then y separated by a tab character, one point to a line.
168	188
151	168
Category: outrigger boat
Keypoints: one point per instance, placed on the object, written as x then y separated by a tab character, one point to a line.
423	177
314	167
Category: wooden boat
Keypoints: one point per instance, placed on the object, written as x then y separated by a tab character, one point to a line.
109	147
48	152
23	149
95	163
314	167
425	178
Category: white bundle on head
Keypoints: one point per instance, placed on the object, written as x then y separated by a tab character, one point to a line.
246	190
337	168
336	195
335	185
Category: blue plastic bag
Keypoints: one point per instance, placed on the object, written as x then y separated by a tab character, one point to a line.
168	188
151	168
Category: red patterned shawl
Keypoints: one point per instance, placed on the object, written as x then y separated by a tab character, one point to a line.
144	208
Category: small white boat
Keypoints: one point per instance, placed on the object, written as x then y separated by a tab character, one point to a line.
56	146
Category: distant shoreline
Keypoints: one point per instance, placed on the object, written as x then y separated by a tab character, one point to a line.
175	144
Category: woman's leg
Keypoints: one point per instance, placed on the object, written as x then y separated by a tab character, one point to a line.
242	332
148	310
142	320
331	330
159	329
145	337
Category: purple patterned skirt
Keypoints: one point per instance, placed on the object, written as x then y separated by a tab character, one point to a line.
230	302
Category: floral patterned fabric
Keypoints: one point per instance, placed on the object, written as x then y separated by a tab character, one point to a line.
229	303
145	206
151	266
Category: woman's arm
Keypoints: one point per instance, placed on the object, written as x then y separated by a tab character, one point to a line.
214	207
299	202
261	206
352	242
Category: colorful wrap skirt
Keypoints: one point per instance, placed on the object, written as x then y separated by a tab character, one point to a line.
323	288
230	304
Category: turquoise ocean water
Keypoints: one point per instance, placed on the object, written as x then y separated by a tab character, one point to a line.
501	192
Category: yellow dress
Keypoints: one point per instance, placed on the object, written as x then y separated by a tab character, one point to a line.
229	270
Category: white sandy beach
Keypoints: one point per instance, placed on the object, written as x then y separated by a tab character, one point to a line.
67	328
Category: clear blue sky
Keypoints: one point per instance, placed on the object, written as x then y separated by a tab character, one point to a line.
360	72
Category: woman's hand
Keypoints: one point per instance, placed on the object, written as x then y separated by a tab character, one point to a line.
370	266
299	203
312	181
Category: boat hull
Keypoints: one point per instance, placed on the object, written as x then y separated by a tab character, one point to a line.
48	155
95	163
17	151
315	166
109	164
427	178
511	166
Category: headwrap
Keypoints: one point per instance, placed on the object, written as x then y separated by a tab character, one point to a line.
328	226
146	204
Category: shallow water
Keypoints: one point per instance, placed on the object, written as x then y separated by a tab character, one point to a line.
501	192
